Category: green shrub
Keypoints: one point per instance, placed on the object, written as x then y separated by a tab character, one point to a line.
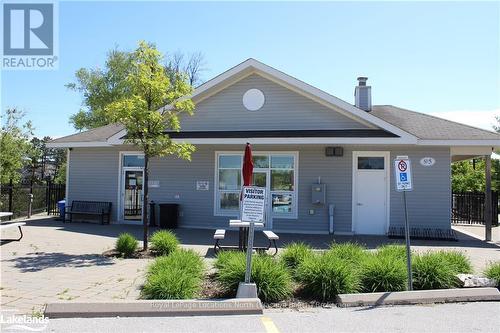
223	257
384	272
174	283
164	242
126	244
324	276
393	251
351	253
186	260
433	271
458	261
271	277
177	276
493	272
294	253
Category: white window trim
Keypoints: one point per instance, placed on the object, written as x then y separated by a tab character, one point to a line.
354	199
295	205
119	217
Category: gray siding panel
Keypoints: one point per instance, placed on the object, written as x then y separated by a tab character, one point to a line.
94	176
283	109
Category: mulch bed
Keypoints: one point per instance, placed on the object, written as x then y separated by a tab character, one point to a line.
137	254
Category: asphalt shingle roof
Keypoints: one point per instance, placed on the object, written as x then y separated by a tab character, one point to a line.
423	126
427	127
99	134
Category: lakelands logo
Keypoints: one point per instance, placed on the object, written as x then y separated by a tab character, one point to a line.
29	36
11	320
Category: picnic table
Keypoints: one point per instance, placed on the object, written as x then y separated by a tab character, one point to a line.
8	225
5	214
243	231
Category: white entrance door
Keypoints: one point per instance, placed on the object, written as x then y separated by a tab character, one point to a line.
370	192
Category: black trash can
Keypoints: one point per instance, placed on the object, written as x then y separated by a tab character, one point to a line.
169	214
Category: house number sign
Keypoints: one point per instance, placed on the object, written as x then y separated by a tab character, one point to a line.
427	161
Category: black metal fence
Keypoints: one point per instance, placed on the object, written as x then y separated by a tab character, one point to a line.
16	198
468	208
55	193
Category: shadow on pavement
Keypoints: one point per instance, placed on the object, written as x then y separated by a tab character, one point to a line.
38	261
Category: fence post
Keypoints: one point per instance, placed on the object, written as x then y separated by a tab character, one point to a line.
487	199
30	204
47	196
10	198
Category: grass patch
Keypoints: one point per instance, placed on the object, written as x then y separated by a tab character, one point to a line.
493	272
164	242
383	271
293	254
458	261
272	278
432	270
394	251
223	257
186	260
323	276
126	245
351	253
177	276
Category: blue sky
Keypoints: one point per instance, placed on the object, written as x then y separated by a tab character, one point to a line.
440	58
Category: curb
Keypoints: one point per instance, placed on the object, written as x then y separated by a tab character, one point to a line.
155	308
419	297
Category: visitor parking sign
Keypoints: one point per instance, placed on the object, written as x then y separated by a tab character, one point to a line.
402	166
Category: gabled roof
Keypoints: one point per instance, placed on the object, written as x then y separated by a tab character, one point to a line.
405	127
252	66
97	136
427	127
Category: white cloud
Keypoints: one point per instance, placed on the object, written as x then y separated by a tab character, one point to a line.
484	119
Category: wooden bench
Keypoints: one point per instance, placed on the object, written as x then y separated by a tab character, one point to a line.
4	226
218	236
99	208
272	238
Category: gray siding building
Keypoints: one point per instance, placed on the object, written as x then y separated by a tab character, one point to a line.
304	141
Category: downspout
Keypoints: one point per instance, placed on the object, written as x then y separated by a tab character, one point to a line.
331	211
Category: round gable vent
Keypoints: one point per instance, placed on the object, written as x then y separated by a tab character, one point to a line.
253	99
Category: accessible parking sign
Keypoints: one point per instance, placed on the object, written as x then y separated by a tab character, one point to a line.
402	166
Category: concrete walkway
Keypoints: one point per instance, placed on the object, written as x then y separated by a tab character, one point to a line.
56	261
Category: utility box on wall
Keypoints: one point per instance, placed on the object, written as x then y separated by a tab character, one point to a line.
318	194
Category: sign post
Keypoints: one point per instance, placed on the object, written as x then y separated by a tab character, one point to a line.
402	167
252	211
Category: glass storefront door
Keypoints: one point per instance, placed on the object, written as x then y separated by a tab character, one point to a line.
132	194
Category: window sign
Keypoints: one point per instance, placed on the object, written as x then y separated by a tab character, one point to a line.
202	185
253	203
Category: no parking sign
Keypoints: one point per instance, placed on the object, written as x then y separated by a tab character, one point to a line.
402	166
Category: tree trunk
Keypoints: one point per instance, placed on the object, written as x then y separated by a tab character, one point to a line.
145	201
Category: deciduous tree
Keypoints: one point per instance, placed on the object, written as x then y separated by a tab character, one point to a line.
14	145
151	107
103	86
